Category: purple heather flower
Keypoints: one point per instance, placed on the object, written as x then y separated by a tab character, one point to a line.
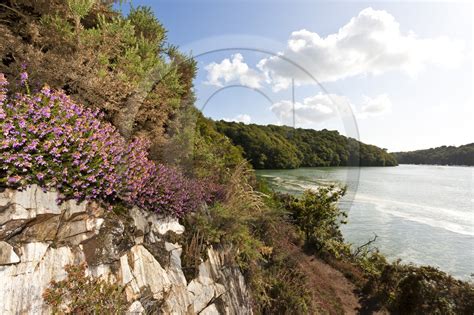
13	179
83	157
23	77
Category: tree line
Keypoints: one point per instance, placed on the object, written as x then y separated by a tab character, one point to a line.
444	155
282	147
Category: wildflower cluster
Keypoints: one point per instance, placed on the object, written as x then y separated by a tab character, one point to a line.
159	187
47	139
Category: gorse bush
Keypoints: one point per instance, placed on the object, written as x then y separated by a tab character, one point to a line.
49	140
120	64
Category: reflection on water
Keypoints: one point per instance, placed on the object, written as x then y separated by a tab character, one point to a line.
422	214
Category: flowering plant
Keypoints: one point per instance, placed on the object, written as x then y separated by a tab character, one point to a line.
47	139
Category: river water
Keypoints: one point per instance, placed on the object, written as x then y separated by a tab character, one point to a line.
421	214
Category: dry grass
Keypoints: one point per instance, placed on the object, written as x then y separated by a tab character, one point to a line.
193	254
240	195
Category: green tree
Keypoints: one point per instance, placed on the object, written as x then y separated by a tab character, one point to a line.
317	215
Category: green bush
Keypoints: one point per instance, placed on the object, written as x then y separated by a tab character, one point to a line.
286	289
408	289
317	215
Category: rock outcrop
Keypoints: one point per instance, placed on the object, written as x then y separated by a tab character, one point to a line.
139	250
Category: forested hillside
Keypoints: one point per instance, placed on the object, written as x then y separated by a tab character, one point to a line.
445	155
284	147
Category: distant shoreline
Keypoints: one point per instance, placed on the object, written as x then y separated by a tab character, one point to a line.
451	165
445	155
354	166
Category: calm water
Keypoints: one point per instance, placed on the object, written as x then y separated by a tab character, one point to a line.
421	214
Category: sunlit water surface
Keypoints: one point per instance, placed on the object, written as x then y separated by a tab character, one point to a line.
421	214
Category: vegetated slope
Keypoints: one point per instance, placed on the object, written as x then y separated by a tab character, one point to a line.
101	59
285	147
445	155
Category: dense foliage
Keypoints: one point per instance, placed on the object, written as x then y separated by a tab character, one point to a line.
214	150
119	64
445	155
284	147
317	215
407	289
49	140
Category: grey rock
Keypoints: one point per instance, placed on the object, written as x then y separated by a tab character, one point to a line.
7	254
136	308
140	250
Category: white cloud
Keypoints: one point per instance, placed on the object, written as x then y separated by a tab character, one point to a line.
314	109
234	70
322	107
244	118
376	106
370	43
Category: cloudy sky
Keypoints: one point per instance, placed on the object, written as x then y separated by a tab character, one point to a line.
401	73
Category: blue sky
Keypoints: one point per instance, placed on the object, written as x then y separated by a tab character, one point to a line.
404	69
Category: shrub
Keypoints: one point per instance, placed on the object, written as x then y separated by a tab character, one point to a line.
80	294
317	215
168	191
408	289
49	140
103	59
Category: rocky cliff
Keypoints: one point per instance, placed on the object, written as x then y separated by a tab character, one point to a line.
138	250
